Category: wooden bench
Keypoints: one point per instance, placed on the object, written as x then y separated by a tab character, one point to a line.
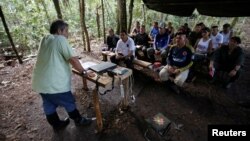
105	55
142	63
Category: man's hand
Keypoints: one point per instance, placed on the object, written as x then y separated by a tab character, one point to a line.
170	70
157	52
177	71
232	73
119	56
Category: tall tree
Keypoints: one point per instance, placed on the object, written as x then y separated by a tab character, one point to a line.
58	10
9	36
122	14
84	27
117	20
131	6
103	23
98	22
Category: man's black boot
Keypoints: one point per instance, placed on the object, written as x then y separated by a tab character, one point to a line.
78	119
56	123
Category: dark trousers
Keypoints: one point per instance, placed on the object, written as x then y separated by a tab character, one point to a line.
145	55
128	61
221	73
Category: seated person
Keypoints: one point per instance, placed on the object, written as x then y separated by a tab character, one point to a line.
203	46
141	42
124	50
179	62
195	35
160	45
154	31
112	40
216	37
135	30
227	62
227	33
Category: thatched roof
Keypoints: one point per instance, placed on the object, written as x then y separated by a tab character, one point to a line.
217	8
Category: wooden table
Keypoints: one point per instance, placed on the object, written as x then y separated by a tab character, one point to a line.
103	81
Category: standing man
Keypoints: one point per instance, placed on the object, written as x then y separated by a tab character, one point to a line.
179	62
227	62
124	50
51	76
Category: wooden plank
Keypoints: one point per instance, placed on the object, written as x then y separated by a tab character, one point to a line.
142	63
108	53
1	66
102	81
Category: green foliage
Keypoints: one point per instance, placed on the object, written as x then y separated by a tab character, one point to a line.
28	22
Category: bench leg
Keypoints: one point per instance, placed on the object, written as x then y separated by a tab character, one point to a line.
97	110
105	57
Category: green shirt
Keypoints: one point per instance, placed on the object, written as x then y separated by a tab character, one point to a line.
52	71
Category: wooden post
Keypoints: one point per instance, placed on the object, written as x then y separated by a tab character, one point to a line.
9	36
97	110
126	92
85	86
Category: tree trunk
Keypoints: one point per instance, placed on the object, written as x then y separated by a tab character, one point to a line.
131	6
122	14
46	11
98	22
9	36
103	23
117	20
82	27
235	20
144	13
82	4
58	10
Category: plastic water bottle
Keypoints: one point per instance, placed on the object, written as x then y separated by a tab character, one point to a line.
122	90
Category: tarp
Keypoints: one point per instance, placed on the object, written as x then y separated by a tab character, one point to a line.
216	8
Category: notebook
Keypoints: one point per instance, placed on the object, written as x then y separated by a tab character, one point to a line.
102	67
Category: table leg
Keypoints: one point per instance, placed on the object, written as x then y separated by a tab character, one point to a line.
126	92
97	110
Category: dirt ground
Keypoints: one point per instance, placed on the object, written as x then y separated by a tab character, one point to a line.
22	117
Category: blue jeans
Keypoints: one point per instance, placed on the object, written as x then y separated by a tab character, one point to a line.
52	101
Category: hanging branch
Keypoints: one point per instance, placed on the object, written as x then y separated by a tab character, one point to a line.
103	23
58	10
9	36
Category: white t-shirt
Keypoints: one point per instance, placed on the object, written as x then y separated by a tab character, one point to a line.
202	46
226	37
125	47
216	40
